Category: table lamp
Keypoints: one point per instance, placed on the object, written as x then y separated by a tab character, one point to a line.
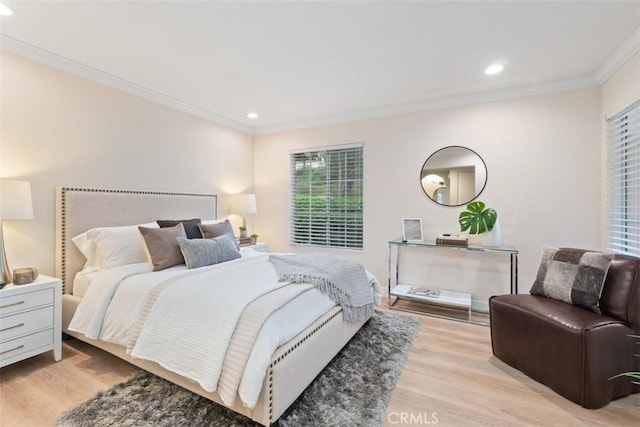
243	204
15	204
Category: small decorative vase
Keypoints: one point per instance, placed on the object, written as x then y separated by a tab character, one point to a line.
243	234
493	237
254	240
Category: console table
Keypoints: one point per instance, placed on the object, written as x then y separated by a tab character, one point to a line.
439	297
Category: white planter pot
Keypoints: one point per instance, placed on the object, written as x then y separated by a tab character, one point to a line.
493	237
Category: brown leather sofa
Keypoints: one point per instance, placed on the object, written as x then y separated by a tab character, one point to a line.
570	349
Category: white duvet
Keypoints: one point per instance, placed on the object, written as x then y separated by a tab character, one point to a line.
113	302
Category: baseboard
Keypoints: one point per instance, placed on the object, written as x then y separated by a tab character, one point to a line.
480	306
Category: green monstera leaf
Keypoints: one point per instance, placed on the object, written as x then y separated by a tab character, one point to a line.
477	218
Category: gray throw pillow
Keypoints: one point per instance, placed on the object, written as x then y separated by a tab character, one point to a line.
202	252
574	276
190	226
162	245
210	231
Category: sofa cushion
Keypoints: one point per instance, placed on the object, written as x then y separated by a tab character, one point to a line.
574	276
565	316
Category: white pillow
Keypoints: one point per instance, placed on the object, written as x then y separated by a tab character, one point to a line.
88	248
113	246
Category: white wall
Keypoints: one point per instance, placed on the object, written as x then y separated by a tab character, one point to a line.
60	130
543	160
622	88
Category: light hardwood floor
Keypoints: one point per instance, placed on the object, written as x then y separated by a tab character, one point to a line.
450	379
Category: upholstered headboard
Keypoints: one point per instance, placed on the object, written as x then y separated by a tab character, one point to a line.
80	209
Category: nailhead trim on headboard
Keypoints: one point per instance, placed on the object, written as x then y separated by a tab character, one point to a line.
63	215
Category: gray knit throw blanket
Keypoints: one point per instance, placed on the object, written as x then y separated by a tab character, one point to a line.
342	280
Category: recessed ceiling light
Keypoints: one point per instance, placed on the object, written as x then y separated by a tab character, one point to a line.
5	10
252	115
493	69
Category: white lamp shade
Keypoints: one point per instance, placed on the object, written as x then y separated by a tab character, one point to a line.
15	200
243	204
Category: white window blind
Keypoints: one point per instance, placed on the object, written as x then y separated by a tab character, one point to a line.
623	170
326	197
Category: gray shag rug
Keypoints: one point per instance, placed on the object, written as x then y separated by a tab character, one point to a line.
353	390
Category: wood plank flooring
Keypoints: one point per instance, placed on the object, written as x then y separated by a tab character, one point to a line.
451	379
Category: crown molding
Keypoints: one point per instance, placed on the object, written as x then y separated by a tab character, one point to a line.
65	64
439	101
621	55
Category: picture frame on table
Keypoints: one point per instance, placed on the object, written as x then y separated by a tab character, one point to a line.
412	230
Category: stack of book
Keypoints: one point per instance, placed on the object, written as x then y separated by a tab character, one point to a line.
448	239
244	241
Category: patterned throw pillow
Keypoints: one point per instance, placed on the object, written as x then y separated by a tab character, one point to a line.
574	276
202	252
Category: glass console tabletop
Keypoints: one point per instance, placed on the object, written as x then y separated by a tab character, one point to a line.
432	243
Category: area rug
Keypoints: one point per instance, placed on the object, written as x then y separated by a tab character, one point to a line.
353	390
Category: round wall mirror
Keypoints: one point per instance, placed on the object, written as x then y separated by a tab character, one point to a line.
453	176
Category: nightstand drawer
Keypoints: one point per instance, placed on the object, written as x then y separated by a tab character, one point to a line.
26	344
25	323
25	301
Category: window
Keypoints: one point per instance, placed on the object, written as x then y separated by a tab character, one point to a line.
326	197
623	170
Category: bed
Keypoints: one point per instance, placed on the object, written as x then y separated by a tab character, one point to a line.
289	369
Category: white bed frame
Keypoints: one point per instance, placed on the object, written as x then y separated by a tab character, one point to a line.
293	366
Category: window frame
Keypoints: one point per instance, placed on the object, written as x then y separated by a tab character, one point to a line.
623	181
348	230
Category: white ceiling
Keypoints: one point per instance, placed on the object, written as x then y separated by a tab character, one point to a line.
305	63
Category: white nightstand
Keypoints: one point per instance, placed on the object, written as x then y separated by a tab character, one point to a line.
30	320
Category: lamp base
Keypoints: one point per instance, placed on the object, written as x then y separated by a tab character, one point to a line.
243	230
5	272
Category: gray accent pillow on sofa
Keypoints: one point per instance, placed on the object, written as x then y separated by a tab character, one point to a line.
162	245
202	252
574	276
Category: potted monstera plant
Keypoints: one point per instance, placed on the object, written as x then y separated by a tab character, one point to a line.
479	219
